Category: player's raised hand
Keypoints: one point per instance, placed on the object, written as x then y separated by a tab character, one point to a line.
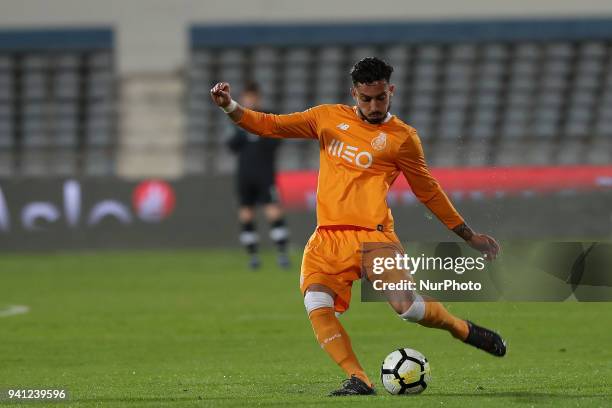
220	94
485	244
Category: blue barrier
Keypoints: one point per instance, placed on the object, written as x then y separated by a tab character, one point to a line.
408	32
56	38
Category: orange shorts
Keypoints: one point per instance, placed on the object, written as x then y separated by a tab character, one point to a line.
332	257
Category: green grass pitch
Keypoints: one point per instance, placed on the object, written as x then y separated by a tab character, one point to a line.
195	328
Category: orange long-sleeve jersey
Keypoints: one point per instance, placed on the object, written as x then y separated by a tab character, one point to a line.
359	162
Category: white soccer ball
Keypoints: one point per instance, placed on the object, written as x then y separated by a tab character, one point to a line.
405	371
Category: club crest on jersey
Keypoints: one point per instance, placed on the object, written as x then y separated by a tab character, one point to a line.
379	142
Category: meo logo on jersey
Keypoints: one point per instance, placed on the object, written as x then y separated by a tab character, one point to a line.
351	154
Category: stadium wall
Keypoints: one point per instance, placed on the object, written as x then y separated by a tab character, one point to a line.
198	212
143	46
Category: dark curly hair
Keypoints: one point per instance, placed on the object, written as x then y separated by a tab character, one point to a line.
370	69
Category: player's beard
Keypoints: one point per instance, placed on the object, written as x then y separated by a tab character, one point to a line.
376	121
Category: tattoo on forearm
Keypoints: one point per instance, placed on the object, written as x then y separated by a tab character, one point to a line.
464	231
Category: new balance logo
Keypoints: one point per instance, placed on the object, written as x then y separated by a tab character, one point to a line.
350	153
343	126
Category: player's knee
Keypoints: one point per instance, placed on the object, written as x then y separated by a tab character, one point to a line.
416	311
317	300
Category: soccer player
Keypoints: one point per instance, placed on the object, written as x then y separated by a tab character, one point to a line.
255	181
362	151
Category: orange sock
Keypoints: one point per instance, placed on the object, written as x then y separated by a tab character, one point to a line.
335	341
438	317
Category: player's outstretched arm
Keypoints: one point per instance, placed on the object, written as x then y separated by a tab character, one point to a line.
412	163
220	94
295	125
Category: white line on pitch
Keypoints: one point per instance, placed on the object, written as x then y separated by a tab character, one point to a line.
13	310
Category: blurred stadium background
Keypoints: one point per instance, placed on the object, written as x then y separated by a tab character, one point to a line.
108	140
513	103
